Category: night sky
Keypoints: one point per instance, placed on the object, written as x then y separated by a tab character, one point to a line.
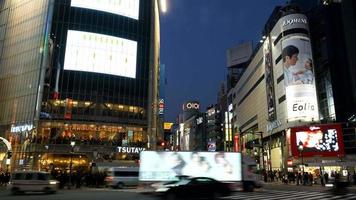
195	35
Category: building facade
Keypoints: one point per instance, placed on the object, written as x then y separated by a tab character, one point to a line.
80	72
275	104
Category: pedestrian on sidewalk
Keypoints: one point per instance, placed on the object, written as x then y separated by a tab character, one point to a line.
354	177
305	178
311	179
326	177
321	180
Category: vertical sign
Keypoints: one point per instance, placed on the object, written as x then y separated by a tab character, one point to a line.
269	80
236	143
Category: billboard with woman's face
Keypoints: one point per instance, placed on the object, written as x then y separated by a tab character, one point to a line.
166	166
321	140
299	79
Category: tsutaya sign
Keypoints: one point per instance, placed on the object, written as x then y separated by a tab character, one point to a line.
130	149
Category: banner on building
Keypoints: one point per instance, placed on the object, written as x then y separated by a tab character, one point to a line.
299	79
271	108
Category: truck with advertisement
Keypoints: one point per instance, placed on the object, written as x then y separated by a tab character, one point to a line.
167	166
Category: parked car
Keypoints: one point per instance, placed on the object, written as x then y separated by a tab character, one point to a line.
195	188
119	177
32	181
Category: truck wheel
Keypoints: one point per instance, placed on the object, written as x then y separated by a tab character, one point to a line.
248	187
120	185
171	196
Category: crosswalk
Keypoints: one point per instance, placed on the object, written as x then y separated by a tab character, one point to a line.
283	195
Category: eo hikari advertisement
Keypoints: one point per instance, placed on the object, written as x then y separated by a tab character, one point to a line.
299	79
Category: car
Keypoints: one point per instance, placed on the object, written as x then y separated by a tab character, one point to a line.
32	181
165	183
195	188
119	177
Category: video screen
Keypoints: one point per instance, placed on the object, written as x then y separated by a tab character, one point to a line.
317	140
166	166
98	53
320	140
127	8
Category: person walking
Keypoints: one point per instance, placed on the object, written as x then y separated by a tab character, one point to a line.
326	177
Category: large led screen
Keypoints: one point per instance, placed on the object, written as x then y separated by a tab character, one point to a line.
165	166
299	79
323	140
128	8
92	52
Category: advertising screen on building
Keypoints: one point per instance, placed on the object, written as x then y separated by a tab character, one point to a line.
165	166
299	79
92	52
322	140
128	8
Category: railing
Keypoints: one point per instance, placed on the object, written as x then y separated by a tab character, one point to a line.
66	148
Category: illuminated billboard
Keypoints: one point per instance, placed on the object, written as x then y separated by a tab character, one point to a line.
299	79
321	140
127	8
92	52
165	166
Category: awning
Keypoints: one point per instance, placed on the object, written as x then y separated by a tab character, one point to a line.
341	164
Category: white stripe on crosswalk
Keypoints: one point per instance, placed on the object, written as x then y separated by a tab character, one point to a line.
283	195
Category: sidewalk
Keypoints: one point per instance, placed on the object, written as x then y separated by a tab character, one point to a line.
293	186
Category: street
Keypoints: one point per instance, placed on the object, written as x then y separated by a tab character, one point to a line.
127	194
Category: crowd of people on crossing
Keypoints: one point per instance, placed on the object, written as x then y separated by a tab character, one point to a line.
305	178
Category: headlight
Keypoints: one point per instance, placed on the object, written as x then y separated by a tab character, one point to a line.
53	182
164	189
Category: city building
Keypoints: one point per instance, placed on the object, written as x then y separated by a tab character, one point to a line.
237	59
188	133
275	103
78	81
213	128
332	30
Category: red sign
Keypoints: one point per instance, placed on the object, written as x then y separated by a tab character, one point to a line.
320	140
236	143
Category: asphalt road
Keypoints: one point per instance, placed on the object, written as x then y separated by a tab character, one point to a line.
135	194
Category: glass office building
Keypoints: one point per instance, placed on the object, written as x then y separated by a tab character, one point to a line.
77	71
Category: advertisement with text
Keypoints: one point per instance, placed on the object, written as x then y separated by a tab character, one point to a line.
299	79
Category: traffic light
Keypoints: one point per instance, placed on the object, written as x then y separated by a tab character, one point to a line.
162	144
9	154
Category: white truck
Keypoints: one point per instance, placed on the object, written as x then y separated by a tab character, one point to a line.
230	167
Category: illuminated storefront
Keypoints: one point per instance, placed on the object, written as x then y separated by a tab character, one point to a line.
92	84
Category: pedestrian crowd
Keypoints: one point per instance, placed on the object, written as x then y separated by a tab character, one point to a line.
305	178
79	178
75	180
4	178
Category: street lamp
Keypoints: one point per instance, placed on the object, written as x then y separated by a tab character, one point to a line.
301	148
72	144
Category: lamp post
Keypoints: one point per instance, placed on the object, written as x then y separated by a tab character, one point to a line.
72	144
301	148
